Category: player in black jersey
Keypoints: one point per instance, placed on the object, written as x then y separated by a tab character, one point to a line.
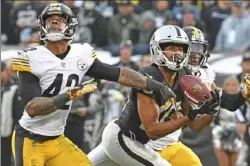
146	116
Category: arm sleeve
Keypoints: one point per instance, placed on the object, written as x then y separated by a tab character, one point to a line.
104	71
29	86
231	102
18	107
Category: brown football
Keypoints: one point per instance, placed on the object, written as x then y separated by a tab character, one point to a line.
194	89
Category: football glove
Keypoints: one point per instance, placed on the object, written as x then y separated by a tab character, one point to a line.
210	107
84	88
245	88
192	114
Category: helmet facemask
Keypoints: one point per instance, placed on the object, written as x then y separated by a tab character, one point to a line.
172	60
55	28
198	55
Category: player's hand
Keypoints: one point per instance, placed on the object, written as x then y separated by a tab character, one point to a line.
245	88
212	106
164	90
167	94
78	91
192	114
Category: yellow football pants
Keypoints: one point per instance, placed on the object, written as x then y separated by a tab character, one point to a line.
58	152
180	155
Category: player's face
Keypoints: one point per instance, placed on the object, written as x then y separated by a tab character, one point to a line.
195	59
55	23
174	53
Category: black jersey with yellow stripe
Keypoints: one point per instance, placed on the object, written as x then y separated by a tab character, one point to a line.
129	121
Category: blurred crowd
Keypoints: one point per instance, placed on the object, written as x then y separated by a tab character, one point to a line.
124	28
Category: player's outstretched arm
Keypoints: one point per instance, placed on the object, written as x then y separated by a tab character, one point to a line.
231	102
132	78
30	92
43	105
125	76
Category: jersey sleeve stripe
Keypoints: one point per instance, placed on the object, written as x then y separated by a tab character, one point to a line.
19	67
94	57
20	63
20	60
93	54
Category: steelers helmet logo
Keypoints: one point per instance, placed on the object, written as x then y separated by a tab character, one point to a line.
82	64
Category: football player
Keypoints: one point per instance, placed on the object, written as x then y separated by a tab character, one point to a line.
49	77
146	116
169	146
198	62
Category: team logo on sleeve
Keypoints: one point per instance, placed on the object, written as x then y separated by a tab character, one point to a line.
82	64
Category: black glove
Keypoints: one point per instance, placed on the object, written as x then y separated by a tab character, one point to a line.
192	113
165	91
212	106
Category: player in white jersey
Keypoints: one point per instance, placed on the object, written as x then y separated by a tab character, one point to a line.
49	78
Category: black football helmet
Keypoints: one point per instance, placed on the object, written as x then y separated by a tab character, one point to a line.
65	12
199	46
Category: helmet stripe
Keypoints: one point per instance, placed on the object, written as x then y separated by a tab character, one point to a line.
196	32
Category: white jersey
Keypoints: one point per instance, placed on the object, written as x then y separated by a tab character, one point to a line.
56	76
207	76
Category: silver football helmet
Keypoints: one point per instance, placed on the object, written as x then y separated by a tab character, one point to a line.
169	35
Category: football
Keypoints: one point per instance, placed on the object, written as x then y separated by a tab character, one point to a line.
194	89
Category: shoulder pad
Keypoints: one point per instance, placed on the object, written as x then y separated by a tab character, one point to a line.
87	48
20	61
92	50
